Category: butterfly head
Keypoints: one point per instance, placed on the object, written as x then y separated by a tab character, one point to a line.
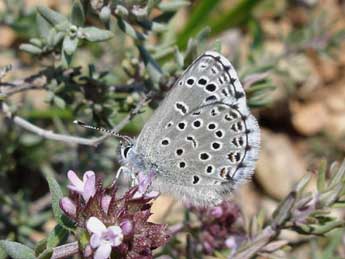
126	147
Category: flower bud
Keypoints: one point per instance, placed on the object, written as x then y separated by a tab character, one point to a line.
127	227
67	205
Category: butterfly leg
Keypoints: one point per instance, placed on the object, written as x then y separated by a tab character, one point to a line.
134	180
121	170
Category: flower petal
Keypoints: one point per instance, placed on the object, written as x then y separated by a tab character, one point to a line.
152	195
217	212
94	225
95	240
75	181
115	235
87	175
105	202
103	251
89	189
74	188
68	206
137	195
126	226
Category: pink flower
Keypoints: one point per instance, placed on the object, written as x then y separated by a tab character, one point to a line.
86	188
103	238
105	203
68	206
216	212
126	226
144	182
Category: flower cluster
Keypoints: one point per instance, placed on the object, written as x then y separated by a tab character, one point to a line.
114	225
217	229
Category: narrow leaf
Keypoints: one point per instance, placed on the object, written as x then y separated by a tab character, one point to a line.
57	236
56	194
152	66
51	16
16	250
172	6
70	44
283	212
338	176
41	246
43	26
46	254
321	176
78	14
94	34
128	29
30	48
66	59
59	102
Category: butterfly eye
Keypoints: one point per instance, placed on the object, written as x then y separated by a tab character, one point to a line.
125	152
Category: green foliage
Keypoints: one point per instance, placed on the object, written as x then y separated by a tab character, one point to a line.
56	194
17	250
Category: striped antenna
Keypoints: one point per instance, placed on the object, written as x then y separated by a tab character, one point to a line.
106	131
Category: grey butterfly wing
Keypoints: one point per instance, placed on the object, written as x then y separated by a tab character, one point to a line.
202	138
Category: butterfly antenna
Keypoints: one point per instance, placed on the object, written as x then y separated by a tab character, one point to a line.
103	130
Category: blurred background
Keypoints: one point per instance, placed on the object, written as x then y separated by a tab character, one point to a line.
290	55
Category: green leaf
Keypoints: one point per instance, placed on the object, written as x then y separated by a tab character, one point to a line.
283	211
338	176
153	69
329	197
46	254
323	229
57	236
78	14
128	29
59	102
300	186
32	49
51	16
94	34
43	26
56	194
55	37
16	250
70	44
66	59
321	176
172	6
36	42
41	246
105	14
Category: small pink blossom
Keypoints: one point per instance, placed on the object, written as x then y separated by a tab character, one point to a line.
217	212
103	238
105	202
231	243
68	206
127	227
85	187
144	182
87	251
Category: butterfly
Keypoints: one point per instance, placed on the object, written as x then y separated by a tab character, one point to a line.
202	141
